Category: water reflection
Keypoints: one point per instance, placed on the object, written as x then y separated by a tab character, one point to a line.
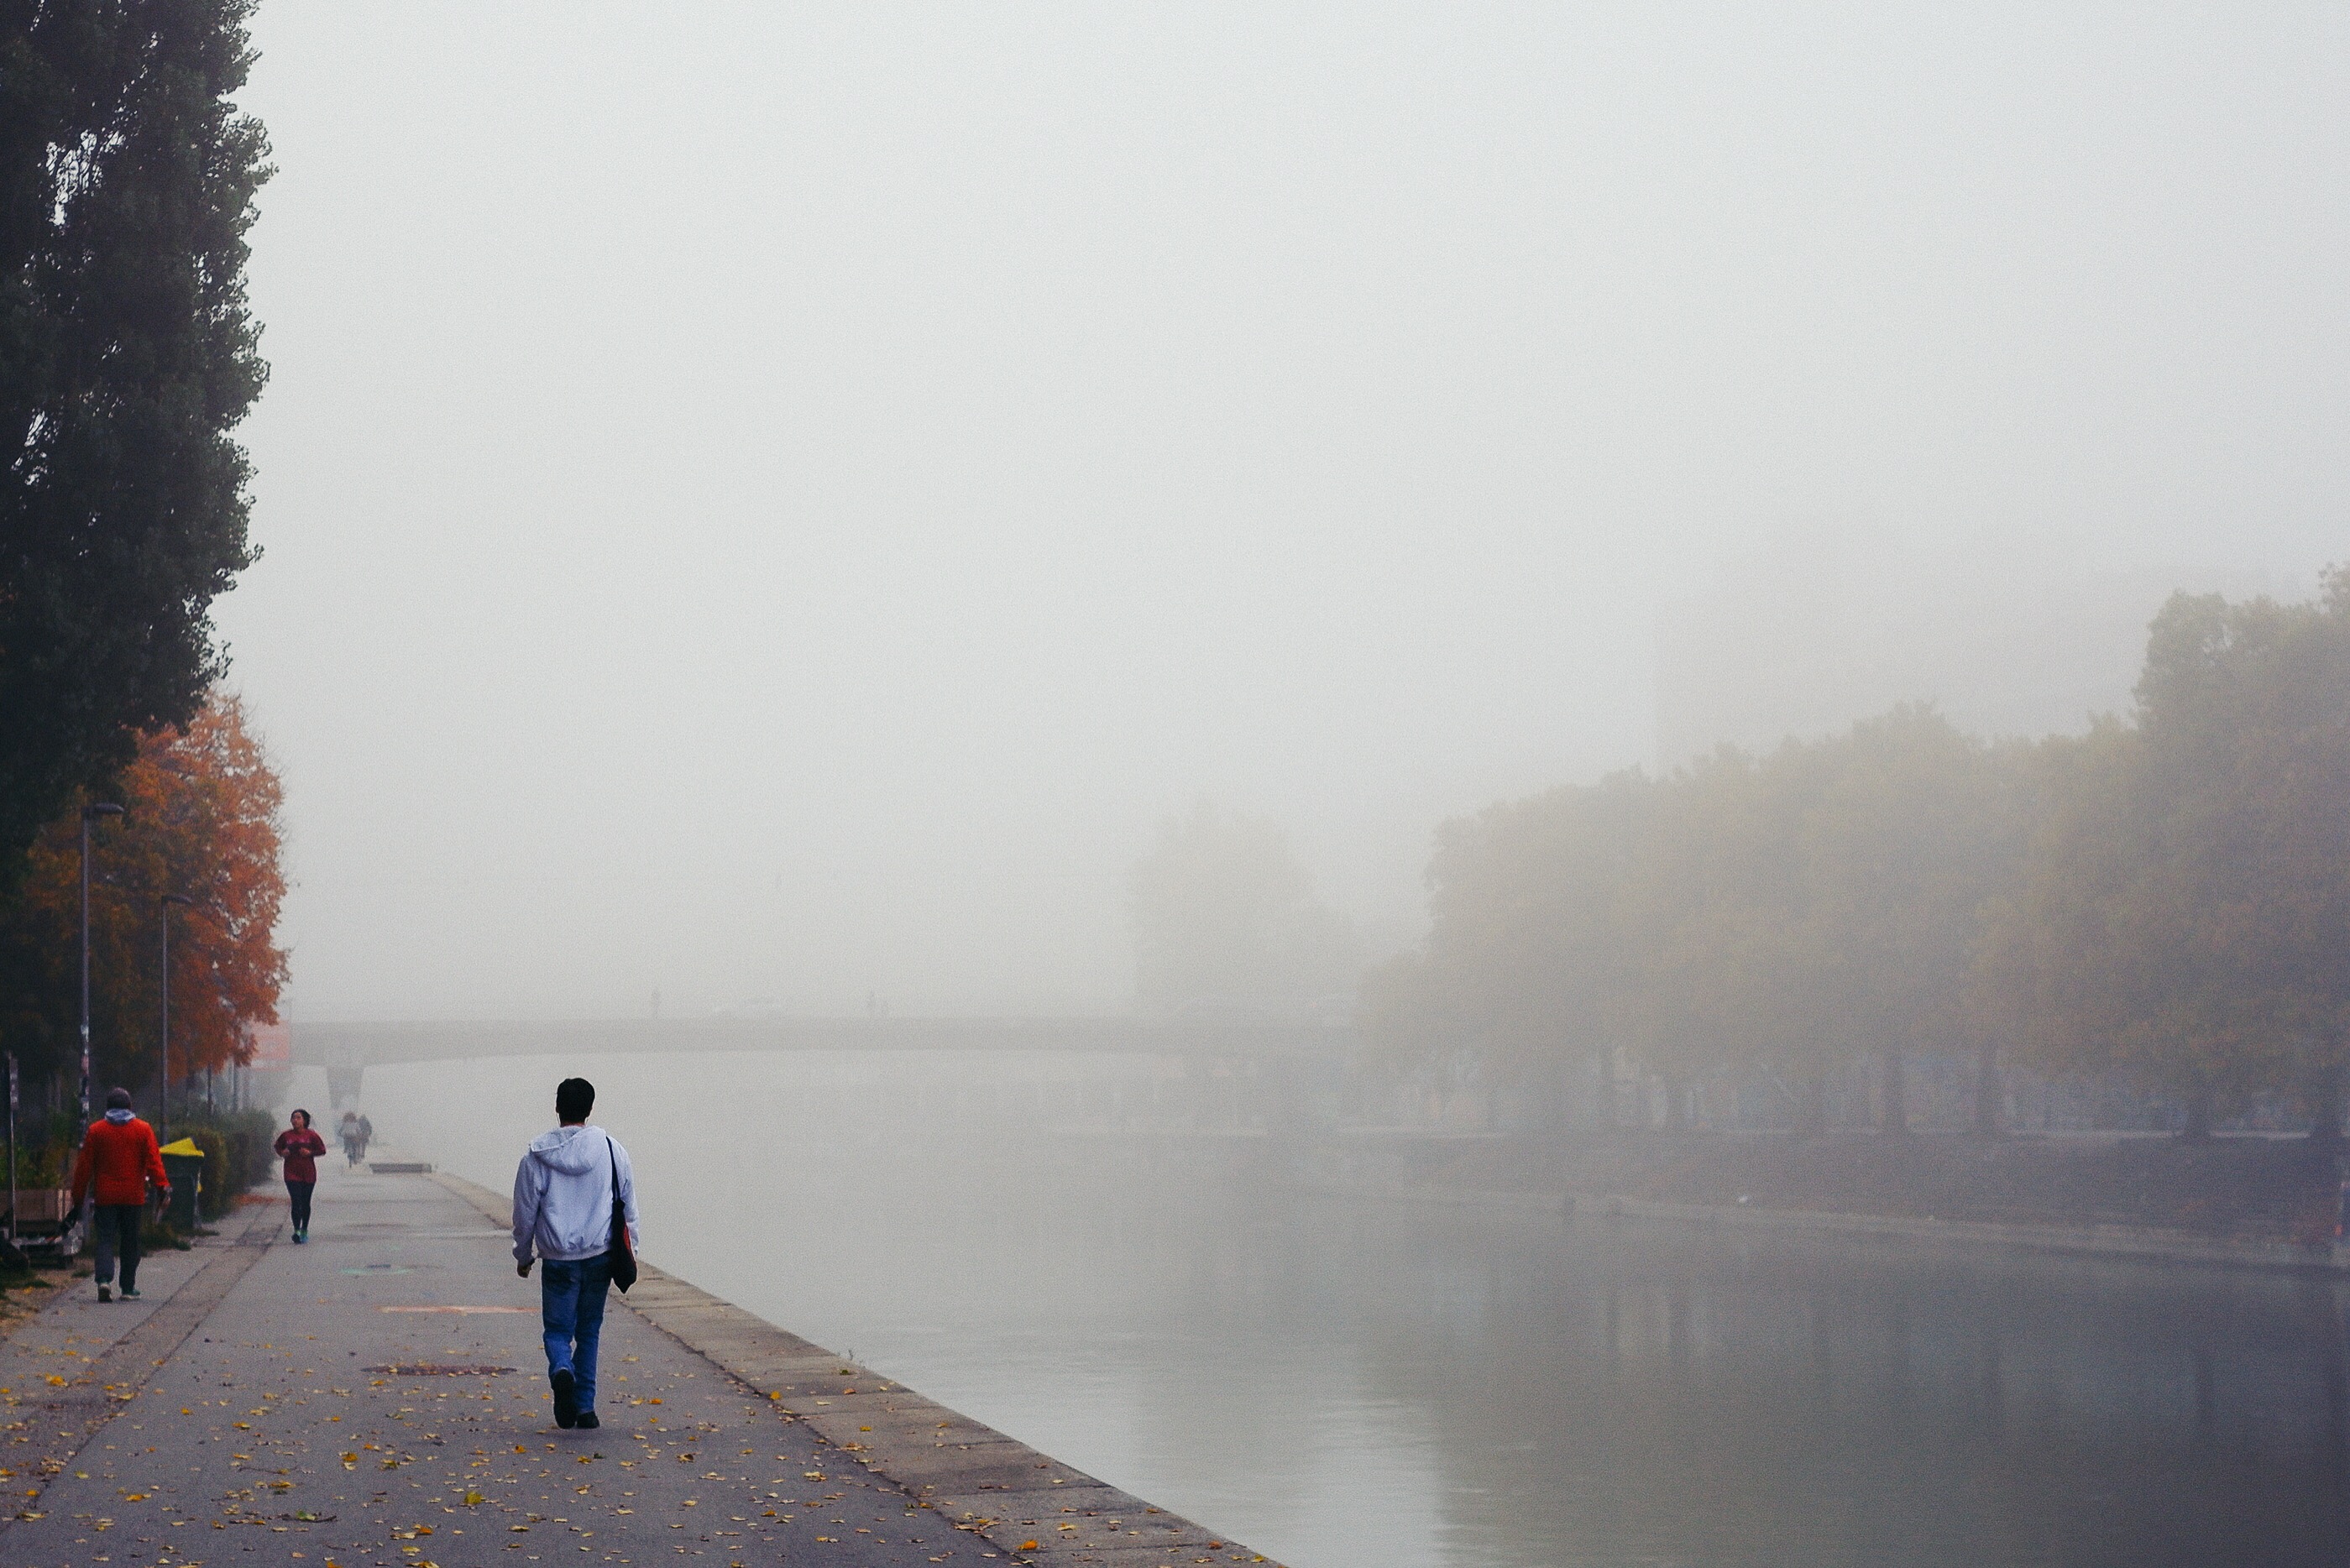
1342	1385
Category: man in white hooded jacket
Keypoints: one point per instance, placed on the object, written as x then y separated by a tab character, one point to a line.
563	1194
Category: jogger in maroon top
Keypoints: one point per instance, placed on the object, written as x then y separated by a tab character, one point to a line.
301	1149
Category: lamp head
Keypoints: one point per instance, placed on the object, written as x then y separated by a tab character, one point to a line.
101	808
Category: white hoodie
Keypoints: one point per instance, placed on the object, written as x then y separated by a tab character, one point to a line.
563	1195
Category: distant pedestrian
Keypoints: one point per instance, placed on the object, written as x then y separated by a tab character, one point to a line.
118	1156
568	1190
301	1149
354	1144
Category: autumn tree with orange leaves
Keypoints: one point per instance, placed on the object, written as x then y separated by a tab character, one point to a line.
201	820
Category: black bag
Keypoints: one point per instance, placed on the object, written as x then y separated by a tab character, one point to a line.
623	1256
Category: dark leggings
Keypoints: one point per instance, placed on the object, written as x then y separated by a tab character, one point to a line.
300	1192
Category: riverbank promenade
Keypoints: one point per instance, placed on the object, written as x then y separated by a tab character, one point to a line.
378	1396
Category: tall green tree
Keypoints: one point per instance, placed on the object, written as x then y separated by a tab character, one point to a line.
128	355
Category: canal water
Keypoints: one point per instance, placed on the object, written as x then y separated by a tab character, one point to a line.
1344	1385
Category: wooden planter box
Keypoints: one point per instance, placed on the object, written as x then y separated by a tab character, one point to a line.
43	1207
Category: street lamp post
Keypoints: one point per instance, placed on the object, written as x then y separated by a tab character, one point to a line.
97	808
163	902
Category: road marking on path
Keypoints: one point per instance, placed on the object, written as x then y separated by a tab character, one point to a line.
458	1309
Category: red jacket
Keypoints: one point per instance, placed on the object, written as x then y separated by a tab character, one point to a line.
124	1159
301	1151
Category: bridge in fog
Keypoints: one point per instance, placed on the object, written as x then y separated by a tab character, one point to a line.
1270	1057
367	1045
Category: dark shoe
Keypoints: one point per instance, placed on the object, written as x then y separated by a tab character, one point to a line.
131	1292
587	1421
106	1292
300	1237
567	1409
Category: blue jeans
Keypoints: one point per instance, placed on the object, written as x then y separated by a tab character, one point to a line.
571	1312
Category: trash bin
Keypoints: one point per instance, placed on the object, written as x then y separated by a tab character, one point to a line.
183	1162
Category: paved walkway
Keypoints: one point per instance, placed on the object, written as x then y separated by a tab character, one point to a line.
377	1397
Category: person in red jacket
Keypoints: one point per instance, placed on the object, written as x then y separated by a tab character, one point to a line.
118	1156
301	1149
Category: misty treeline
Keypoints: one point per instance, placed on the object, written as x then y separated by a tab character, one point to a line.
1226	924
2162	903
128	355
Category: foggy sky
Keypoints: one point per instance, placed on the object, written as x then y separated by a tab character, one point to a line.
774	501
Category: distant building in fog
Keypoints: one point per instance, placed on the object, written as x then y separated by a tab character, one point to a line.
1807	639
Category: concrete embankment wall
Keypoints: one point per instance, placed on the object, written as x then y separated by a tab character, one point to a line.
984	1483
2142	1243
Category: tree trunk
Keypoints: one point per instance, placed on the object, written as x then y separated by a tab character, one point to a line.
2199	1116
1811	1108
1895	1120
1988	1089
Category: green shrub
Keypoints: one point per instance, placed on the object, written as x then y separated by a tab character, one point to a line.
44	1150
217	1187
238	1156
156	1235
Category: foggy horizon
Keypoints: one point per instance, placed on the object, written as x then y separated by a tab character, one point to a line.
1467	787
766	503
